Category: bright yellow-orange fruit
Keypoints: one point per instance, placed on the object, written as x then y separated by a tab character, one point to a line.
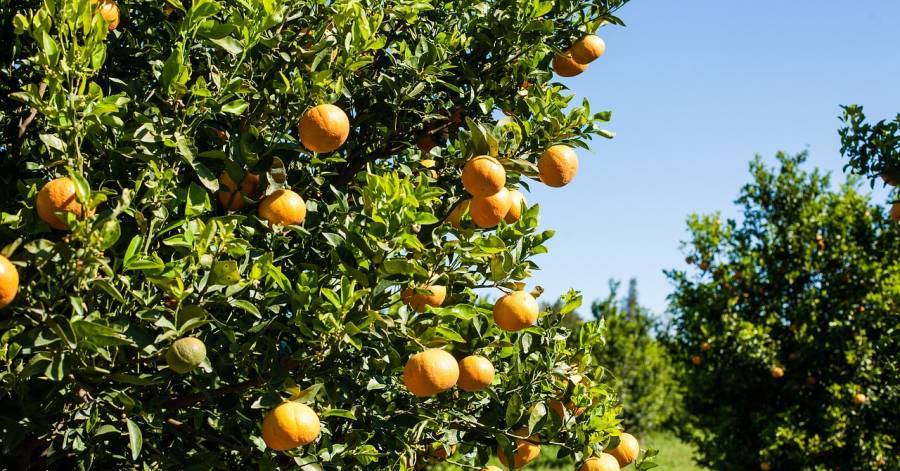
57	196
516	311
525	452
604	462
565	66
483	176
488	211
860	399
557	166
430	372
696	360
587	49
418	302
324	128
456	214
290	425
109	10
705	346
9	282
475	373
230	197
516	204
283	208
627	451
777	372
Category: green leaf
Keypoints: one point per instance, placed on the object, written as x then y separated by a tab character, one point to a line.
229	44
513	410
235	107
135	440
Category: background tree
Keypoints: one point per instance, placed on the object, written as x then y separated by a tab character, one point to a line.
787	327
872	149
239	194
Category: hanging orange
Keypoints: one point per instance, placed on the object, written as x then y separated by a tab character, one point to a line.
430	372
588	49
283	208
324	128
290	425
58	196
557	166
475	373
9	282
488	211
516	311
418	302
565	66
483	176
516	203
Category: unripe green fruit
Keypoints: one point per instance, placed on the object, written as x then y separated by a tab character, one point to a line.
185	354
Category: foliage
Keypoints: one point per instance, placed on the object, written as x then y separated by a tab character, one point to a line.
639	364
873	150
807	281
144	118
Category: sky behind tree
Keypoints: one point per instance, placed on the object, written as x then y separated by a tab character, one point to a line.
697	89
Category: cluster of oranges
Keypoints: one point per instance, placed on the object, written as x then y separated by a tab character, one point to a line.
575	60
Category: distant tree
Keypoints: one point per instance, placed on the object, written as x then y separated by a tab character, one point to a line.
787	328
872	149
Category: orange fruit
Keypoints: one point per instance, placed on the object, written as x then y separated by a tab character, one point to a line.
705	346
425	143
525	451
764	467
860	399
483	176
109	10
516	311
58	196
565	66
587	49
516	204
440	453
696	360
890	178
230	197
290	425
9	282
895	211
627	451
185	354
475	373
283	208
418	301
557	406
604	462
557	166
456	214
430	372
777	372
488	211
324	128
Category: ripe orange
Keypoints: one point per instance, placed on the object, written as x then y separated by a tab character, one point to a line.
696	360
58	196
764	467
860	399
456	214
475	373
488	211
604	462
705	346
483	176
185	354
9	282
516	311
230	197
525	451
283	208
430	372
290	425
109	10
565	66
557	166
627	451
516	204
441	453
895	211
324	128
587	49
418	302
777	372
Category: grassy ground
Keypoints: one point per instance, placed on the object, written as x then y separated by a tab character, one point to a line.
674	455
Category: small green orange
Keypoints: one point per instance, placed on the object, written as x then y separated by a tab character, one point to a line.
185	354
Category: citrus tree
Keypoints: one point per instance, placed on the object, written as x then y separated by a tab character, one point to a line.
787	327
248	234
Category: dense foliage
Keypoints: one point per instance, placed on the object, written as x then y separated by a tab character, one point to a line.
144	116
872	149
788	327
639	364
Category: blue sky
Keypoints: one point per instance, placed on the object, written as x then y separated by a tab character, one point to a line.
697	88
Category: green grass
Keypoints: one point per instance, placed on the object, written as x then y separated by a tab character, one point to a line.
674	455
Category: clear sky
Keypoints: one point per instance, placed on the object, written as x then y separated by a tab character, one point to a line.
697	88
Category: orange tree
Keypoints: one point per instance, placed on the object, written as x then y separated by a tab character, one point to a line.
223	241
787	326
